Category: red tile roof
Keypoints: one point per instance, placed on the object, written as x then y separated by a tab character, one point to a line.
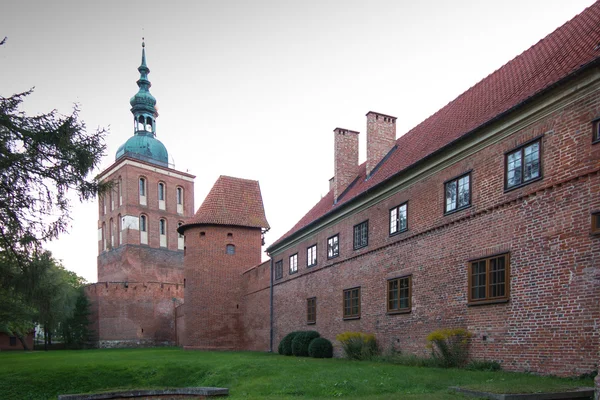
231	201
559	55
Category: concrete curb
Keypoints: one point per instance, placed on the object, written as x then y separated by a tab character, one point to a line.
579	393
179	393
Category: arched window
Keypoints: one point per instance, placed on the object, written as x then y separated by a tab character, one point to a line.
180	200
111	233
120	184
104	236
161	195
143	229
143	191
120	229
180	238
162	230
230	249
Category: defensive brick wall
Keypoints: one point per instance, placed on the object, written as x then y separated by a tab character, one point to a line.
140	263
549	324
134	314
255	307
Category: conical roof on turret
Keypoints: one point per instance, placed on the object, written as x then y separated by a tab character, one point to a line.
231	201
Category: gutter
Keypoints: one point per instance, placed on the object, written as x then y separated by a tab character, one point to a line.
271	310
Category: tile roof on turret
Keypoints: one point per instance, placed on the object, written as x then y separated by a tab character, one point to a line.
231	201
568	50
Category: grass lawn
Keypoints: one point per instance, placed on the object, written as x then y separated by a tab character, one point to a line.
44	375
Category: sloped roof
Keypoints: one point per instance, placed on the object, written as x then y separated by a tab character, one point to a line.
231	201
564	52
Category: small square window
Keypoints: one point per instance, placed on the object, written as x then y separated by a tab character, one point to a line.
311	310
12	341
596	130
279	269
230	249
398	221
489	279
596	223
311	256
352	303
523	165
294	264
458	193
399	292
361	235
333	247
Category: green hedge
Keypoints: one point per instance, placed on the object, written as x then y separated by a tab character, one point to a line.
301	342
320	348
285	346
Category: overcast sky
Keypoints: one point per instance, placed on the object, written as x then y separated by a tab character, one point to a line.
254	89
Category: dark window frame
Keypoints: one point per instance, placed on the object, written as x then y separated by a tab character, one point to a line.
488	281
596	130
521	148
351	314
295	256
311	311
12	341
399	310
330	246
455	180
596	223
397	208
308	249
278	269
366	241
162	193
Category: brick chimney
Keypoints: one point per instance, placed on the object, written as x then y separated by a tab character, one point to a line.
345	161
381	137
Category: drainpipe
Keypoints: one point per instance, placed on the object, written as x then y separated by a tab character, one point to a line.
271	310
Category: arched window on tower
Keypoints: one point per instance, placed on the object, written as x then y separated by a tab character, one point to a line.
140	123
180	238
179	200
104	236
143	191
161	196
111	233
143	229
120	229
162	232
230	249
120	184
149	124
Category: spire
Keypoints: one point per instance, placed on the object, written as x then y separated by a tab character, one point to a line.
143	103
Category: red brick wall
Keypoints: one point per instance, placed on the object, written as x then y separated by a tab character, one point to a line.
139	263
255	307
549	323
134	314
5	342
213	290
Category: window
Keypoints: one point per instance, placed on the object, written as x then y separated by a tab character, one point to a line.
352	303
143	225
163	227
143	229
488	279
361	235
523	165
142	187
596	130
162	230
230	249
161	191
333	247
458	193
596	223
398	221
12	341
179	195
399	294
279	269
311	256
294	264
311	310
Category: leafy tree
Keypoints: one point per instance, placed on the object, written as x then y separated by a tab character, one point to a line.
75	330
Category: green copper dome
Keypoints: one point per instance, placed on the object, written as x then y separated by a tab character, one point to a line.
143	145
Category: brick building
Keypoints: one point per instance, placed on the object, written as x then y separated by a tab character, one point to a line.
485	217
140	253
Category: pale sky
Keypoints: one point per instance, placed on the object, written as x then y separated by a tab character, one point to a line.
254	89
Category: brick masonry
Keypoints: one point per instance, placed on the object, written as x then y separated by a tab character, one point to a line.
549	324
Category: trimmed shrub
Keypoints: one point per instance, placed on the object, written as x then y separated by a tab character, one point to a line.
301	342
449	346
358	345
285	346
320	348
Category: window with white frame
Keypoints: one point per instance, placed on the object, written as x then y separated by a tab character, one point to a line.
311	256
398	220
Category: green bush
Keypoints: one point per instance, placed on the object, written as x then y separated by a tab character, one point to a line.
483	365
358	345
285	346
301	342
449	346
320	348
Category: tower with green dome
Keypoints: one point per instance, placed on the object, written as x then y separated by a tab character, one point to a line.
144	145
140	253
